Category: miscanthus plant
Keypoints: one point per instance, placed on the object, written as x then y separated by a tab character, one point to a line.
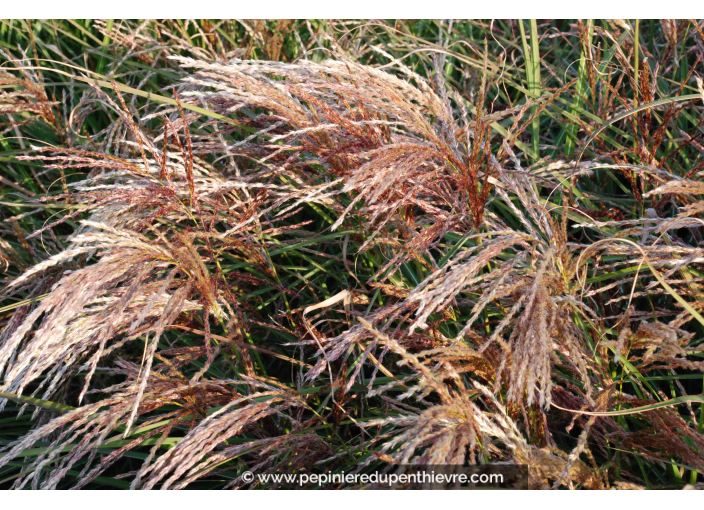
311	246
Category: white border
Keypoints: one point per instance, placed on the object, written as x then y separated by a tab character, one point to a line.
347	500
425	500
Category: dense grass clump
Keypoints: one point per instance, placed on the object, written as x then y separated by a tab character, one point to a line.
323	246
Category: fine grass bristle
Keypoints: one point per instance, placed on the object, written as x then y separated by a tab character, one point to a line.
300	246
